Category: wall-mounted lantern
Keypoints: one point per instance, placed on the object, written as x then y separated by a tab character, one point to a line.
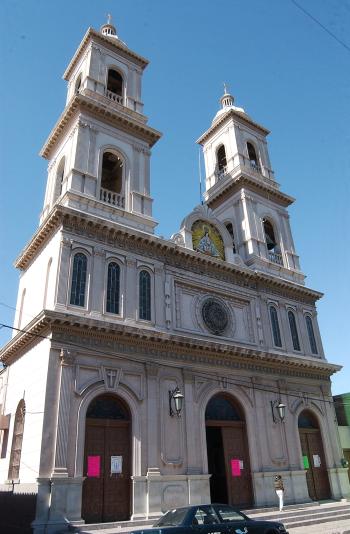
175	402
279	408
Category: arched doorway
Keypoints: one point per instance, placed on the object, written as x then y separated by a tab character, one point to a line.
107	461
313	456
228	454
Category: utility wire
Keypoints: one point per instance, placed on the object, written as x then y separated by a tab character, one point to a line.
201	374
321	25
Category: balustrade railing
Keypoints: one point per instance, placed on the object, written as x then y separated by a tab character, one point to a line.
114	199
114	97
275	257
221	173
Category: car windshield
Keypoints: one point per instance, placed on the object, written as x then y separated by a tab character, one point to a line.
173	518
227	513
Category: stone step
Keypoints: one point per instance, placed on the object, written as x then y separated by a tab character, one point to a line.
319	521
290	516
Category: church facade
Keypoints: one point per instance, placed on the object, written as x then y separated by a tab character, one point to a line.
158	373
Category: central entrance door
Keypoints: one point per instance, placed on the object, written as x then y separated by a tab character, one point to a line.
313	457
106	488
228	454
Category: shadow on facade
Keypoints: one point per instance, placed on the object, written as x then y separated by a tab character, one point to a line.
17	512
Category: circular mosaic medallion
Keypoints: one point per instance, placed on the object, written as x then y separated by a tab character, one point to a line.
215	316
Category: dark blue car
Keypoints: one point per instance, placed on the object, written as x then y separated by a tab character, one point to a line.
211	519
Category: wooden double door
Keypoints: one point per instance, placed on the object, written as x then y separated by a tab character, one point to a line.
316	472
106	495
228	463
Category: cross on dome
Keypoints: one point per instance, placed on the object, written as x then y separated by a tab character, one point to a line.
226	100
109	29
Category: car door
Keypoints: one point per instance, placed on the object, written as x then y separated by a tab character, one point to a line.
206	521
234	521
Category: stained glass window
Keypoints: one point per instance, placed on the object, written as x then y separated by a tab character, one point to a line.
293	330
310	331
77	295
145	296
16	449
275	327
113	285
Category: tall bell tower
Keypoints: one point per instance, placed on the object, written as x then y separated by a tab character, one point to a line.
99	150
241	189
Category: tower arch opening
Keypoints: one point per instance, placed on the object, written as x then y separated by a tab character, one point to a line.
107	460
228	453
221	161
253	158
114	82
112	172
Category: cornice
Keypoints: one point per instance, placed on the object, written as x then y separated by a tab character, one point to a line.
232	185
94	336
83	103
109	42
148	244
242	117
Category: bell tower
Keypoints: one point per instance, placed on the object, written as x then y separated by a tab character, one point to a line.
241	189
99	150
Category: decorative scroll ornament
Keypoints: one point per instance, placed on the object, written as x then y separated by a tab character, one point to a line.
215	316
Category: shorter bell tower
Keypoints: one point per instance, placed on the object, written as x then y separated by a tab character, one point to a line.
241	189
99	150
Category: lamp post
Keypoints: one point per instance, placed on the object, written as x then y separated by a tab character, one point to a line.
175	402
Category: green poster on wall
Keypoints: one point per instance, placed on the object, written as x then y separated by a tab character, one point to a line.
306	462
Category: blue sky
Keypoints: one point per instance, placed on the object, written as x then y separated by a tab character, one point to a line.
284	69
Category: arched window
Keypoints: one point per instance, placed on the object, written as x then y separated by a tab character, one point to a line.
115	82
112	172
293	330
275	327
307	420
252	156
230	231
60	177
310	331
77	295
77	84
221	159
221	408
16	449
145	295
113	288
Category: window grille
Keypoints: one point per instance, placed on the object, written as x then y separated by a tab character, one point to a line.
77	296
293	330
145	296
275	327
310	331
113	288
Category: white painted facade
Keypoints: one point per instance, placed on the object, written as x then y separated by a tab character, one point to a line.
88	350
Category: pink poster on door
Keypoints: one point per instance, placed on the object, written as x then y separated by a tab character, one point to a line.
93	466
235	467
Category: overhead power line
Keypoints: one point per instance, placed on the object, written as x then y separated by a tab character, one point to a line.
308	14
200	374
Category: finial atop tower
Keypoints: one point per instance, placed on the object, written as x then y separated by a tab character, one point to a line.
226	100
108	28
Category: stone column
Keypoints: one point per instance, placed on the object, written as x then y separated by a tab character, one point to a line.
159	297
153	471
66	390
